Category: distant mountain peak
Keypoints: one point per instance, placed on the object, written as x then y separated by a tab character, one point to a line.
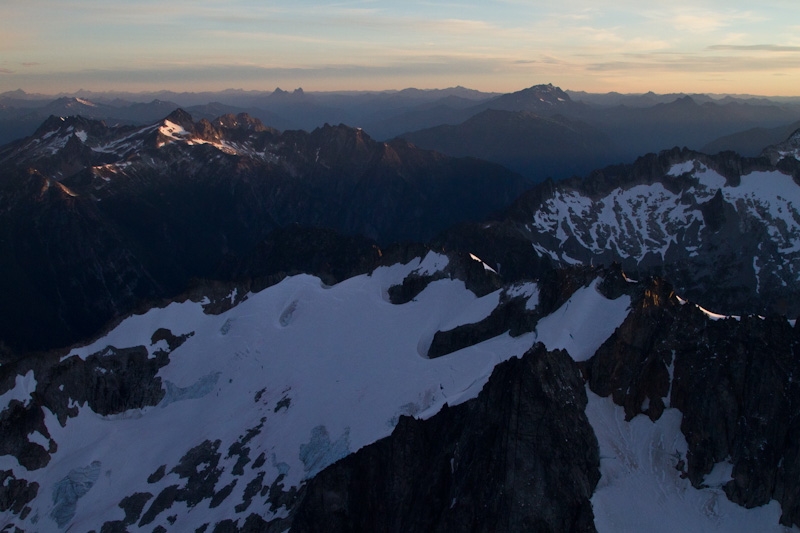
19	93
180	117
544	98
281	94
56	123
242	121
686	100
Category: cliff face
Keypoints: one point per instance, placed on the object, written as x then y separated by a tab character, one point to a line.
521	457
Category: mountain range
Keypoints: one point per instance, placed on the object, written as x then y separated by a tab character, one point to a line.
602	129
212	325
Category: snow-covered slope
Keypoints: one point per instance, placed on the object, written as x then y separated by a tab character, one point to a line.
298	375
649	219
253	402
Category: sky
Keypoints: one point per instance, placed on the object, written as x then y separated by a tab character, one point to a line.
54	46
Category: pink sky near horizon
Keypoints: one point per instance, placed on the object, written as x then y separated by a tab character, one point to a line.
735	47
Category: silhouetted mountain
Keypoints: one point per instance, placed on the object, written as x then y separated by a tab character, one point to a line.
752	142
683	122
535	146
540	99
448	110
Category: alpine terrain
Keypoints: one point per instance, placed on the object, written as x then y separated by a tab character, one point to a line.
214	326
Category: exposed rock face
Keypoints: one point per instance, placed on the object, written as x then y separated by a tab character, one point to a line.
15	494
521	457
509	315
733	380
110	381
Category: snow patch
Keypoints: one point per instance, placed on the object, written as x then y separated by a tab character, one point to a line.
717	316
721	474
432	263
527	290
485	266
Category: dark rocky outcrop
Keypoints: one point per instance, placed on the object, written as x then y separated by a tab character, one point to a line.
521	457
508	315
110	381
199	472
15	494
19	420
412	286
133	506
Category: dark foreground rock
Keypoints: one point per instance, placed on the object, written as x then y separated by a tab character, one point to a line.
520	457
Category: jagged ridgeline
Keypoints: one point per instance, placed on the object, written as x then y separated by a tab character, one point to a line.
97	219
